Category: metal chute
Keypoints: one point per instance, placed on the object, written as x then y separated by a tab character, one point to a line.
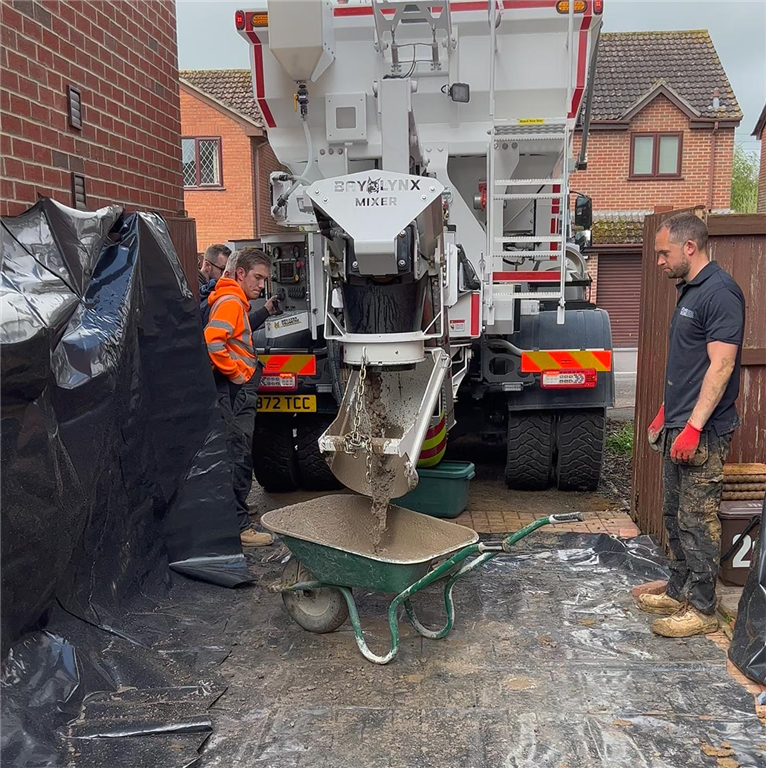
382	422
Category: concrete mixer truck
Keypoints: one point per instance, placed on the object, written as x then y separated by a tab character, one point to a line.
430	263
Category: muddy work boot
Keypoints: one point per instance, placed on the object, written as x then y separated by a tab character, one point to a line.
662	604
685	622
252	538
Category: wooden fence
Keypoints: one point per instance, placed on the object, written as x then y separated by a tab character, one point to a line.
738	243
183	233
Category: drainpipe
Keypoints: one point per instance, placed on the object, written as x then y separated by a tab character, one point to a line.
712	166
582	160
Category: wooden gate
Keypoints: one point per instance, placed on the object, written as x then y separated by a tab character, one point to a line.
738	243
183	233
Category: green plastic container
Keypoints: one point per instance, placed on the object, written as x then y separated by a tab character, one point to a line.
442	490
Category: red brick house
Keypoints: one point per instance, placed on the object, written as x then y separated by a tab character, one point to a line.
662	134
227	157
760	134
89	104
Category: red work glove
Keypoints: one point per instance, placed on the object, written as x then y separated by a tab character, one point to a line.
686	443
656	426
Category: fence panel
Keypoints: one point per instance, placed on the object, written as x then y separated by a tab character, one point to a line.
183	233
738	244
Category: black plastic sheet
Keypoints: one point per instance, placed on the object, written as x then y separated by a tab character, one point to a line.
114	462
748	643
137	693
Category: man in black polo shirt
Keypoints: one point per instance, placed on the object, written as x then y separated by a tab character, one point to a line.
694	425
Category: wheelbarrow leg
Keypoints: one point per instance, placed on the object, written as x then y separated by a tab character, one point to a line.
448	604
359	632
488	551
404	597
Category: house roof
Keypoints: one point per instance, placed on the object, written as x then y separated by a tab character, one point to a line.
232	88
761	124
633	66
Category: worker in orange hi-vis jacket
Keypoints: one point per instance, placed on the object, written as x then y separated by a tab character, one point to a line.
229	341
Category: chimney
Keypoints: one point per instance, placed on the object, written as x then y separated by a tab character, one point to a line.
716	99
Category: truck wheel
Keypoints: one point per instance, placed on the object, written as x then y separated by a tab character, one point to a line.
580	444
529	451
274	462
313	471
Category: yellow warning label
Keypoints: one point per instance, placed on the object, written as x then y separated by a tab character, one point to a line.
531	120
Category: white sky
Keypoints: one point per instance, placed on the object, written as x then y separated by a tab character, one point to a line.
207	39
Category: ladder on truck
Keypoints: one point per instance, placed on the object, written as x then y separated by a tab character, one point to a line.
550	135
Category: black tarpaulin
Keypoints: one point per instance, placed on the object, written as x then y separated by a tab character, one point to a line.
114	463
748	642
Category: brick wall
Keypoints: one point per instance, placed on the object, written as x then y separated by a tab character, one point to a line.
266	164
241	209
227	213
122	56
762	177
607	182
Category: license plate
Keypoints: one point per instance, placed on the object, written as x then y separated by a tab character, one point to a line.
287	403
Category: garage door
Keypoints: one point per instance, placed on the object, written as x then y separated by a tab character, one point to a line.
619	293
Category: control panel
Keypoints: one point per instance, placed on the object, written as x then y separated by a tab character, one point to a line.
289	274
290	283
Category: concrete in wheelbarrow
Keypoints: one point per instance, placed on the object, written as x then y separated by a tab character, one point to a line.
549	664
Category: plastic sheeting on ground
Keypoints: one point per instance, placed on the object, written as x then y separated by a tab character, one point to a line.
748	642
114	463
549	664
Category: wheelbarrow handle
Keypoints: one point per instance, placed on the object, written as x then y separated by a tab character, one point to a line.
565	517
561	517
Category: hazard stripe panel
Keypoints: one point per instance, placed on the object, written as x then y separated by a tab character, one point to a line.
566	360
435	436
428	459
303	365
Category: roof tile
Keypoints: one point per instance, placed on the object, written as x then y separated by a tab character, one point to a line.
631	63
232	87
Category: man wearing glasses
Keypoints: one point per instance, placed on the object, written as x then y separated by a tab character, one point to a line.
211	268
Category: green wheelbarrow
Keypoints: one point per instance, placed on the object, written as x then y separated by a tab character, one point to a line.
331	541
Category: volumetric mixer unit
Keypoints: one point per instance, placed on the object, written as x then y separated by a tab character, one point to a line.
428	259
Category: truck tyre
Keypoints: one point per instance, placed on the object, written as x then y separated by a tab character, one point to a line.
580	447
274	463
313	472
529	451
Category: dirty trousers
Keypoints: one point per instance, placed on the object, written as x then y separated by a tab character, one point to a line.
238	404
692	497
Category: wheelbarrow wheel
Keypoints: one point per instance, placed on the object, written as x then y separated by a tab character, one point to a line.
316	610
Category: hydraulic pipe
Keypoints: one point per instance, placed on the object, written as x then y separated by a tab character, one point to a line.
506	345
299	180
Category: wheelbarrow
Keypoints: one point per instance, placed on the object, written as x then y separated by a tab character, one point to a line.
331	541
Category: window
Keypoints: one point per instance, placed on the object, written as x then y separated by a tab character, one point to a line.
202	162
655	155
